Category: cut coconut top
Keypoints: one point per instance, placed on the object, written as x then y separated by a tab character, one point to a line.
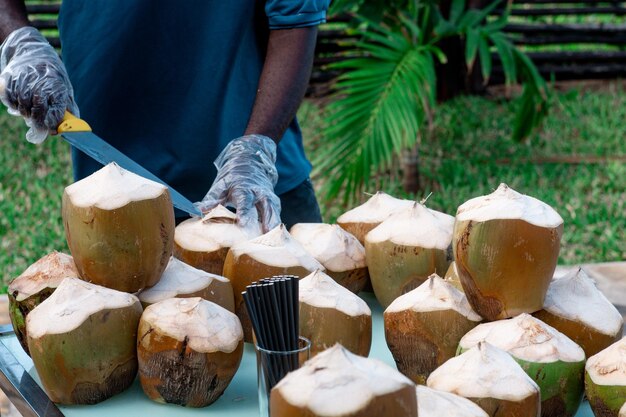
48	272
526	338
73	302
327	384
575	297
112	187
320	290
435	403
206	326
375	210
277	248
608	367
506	203
484	371
435	294
415	226
178	278
335	248
216	230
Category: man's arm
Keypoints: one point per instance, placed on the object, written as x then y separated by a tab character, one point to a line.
283	82
13	17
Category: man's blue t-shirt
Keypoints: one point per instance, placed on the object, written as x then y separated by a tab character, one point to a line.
171	83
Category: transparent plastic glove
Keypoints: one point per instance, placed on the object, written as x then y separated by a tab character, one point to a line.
34	83
246	176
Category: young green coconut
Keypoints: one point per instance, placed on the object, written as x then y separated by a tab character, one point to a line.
491	378
184	281
506	246
452	276
119	228
204	242
82	340
342	254
331	314
605	380
34	285
423	327
404	250
189	349
274	253
337	383
577	308
435	403
549	357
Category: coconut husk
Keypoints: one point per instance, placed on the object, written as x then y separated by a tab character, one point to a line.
452	276
605	380
435	403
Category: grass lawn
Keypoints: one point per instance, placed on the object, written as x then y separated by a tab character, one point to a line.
459	161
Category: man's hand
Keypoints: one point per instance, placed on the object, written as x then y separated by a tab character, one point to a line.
34	82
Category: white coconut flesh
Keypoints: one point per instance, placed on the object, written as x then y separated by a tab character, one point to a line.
608	367
321	291
506	203
435	294
575	297
218	229
179	279
112	187
73	302
332	246
525	338
329	383
415	226
375	210
50	271
484	371
277	248
435	403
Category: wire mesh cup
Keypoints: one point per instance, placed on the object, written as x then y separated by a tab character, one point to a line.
273	365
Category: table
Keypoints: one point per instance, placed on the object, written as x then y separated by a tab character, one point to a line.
239	399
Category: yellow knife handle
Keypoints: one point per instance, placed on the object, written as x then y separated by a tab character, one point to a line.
71	123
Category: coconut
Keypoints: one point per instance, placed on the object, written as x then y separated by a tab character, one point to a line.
605	380
452	276
404	250
492	379
331	314
82	340
342	254
424	326
549	357
183	281
34	285
337	383
578	309
622	411
119	228
204	242
435	403
189	350
274	253
506	246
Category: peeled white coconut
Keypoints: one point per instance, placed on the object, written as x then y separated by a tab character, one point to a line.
435	403
184	281
82	340
549	357
423	327
342	254
274	253
577	308
119	228
492	379
331	314
404	250
189	350
34	285
605	380
337	383
204	242
506	246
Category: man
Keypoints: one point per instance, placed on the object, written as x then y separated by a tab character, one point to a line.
175	85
